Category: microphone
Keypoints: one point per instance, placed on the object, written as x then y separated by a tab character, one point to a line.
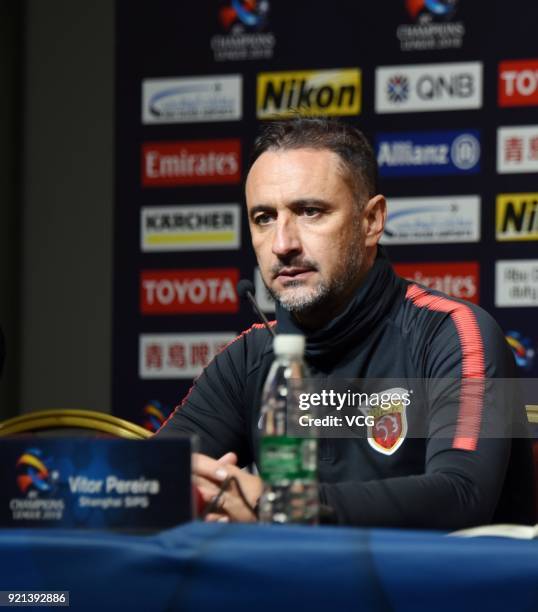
245	289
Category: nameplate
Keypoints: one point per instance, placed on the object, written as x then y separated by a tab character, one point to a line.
95	483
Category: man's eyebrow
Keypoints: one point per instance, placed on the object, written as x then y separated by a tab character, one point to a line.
294	204
304	202
260	208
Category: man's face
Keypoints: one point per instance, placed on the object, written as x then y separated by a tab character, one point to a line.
306	230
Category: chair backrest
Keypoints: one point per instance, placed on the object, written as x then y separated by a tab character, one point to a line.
72	422
532	417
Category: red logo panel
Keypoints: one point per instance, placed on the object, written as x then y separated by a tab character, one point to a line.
189	291
199	162
518	83
456	279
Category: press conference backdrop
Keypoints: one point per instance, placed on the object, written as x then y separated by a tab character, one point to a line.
447	91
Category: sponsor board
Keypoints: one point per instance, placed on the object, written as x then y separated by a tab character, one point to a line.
518	83
432	26
191	100
428	153
517	149
334	92
154	415
516	283
178	355
189	291
457	279
522	349
517	216
198	162
244	31
432	220
428	87
264	299
190	228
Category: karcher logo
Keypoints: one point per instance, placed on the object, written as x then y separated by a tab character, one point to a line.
517	216
309	93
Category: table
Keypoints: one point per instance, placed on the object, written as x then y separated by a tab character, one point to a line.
217	566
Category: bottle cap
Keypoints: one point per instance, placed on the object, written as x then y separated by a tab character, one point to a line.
289	344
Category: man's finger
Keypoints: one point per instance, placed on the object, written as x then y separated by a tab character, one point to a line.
228	459
214	517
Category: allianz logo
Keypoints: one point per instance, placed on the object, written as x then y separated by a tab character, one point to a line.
463	152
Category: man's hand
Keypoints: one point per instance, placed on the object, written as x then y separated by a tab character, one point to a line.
209	474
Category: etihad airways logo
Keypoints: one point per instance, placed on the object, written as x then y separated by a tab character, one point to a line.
309	93
428	87
190	100
190	291
516	283
517	216
518	83
190	228
199	162
432	220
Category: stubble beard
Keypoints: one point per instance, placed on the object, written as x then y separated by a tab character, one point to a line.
326	294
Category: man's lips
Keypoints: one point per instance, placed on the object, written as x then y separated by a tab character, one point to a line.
293	272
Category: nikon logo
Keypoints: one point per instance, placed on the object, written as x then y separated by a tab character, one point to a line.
517	216
309	93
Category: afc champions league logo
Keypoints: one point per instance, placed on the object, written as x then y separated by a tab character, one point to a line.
244	15
154	415
33	473
389	430
431	10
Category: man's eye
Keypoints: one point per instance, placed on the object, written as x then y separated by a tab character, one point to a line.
310	211
262	219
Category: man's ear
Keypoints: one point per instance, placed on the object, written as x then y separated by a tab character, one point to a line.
374	217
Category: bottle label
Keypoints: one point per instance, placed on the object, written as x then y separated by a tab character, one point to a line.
287	458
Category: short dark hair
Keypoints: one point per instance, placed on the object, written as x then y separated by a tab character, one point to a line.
348	142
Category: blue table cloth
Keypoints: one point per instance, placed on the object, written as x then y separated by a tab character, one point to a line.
252	567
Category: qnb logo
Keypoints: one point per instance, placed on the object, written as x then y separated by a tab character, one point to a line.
32	472
425	10
522	349
398	88
432	86
244	14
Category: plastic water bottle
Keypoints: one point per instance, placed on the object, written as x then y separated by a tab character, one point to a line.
288	464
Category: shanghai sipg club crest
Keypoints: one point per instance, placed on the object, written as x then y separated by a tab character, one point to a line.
389	430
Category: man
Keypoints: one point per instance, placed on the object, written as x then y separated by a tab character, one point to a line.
316	219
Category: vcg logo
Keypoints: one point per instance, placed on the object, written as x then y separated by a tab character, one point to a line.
428	153
428	87
322	92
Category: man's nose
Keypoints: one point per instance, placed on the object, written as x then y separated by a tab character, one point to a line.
286	239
